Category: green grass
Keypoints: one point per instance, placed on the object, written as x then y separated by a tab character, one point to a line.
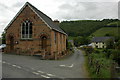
112	31
101	58
104	69
86	68
114	23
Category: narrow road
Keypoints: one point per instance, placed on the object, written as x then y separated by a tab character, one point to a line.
19	66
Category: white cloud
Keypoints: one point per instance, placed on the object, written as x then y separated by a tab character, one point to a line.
61	9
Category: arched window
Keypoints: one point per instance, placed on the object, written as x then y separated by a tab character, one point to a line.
26	30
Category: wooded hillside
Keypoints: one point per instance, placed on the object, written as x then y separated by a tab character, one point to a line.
85	27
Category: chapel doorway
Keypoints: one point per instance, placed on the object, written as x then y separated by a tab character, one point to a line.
44	42
11	44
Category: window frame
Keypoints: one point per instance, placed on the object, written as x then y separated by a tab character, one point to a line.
27	33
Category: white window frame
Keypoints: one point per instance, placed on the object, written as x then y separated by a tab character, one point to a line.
26	36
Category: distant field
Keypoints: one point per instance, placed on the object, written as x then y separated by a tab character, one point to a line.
113	31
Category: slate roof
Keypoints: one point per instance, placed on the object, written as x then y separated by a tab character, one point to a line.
47	19
101	39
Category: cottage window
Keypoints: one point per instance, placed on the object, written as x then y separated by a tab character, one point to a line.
26	30
55	36
61	38
96	46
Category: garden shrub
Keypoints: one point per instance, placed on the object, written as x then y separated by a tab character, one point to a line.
115	55
99	65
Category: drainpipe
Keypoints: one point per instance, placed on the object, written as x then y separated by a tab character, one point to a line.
55	56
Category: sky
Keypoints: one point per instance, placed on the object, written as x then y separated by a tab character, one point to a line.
61	9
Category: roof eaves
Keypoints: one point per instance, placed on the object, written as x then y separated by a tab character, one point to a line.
27	3
43	19
59	31
39	16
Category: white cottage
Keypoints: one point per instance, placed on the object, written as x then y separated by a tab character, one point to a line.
99	42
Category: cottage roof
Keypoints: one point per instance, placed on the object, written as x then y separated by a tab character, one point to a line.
101	39
44	17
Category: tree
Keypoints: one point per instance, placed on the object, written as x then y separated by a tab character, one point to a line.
81	40
3	38
110	44
84	27
115	56
107	34
117	45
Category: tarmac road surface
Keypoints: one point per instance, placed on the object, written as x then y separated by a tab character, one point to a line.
18	66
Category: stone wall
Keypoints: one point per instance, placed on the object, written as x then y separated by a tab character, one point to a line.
39	28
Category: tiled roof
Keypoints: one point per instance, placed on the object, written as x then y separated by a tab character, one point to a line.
101	39
46	19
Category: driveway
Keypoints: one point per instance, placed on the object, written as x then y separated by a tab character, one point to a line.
18	66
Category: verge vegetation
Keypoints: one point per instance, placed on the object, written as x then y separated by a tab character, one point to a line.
102	63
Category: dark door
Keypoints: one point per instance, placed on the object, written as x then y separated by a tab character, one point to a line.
44	42
11	44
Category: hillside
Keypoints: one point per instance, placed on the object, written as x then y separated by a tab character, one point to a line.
113	24
107	31
84	27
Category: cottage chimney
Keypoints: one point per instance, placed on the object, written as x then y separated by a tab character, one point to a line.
56	22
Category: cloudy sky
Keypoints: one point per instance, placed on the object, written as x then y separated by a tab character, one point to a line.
61	9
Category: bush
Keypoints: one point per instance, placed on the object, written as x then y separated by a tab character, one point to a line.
117	45
88	50
70	46
81	40
99	65
108	52
3	38
96	51
110	44
115	55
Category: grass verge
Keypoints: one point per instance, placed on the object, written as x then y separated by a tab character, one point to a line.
86	64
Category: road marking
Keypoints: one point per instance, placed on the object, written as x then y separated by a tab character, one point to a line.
50	75
35	73
62	65
14	65
40	71
67	66
45	76
0	61
18	67
71	66
11	64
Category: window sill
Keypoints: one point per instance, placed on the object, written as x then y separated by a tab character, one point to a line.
30	39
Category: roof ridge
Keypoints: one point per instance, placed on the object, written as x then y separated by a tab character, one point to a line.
37	9
48	21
